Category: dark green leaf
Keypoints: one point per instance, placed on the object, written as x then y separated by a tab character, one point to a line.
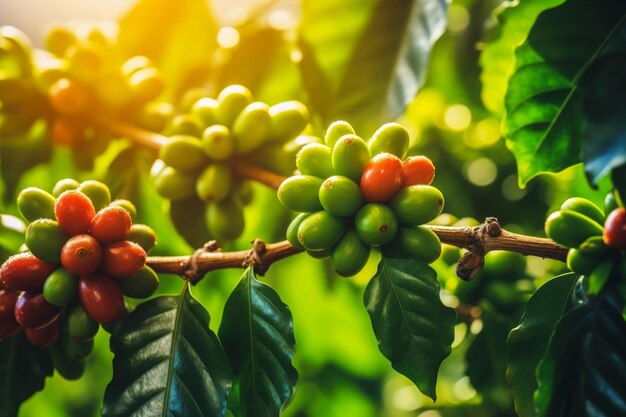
584	369
498	55
379	55
23	370
257	334
167	362
414	329
528	342
544	122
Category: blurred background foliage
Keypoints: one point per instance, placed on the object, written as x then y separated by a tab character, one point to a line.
454	120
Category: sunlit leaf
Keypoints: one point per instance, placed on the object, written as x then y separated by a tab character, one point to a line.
167	362
414	329
257	334
528	342
372	54
544	102
23	370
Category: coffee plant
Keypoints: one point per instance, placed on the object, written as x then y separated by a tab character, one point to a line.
247	218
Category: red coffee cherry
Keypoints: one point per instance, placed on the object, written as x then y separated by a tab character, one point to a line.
32	311
44	336
26	272
110	225
101	297
122	259
382	178
81	255
614	234
74	212
8	298
417	170
69	98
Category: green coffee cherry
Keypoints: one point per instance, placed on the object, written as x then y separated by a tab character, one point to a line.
444	219
350	255
292	230
218	143
184	153
126	205
64	185
141	284
155	115
275	157
174	185
450	254
315	159
35	203
185	124
320	231
340	196
580	263
142	235
418	243
300	193
146	84
466	222
243	191
59	39
391	138
335	131
584	207
60	288
570	228
230	102
45	239
610	202
214	183
417	204
288	119
376	224
205	109
85	62
68	368
252	127
320	254
225	219
594	247
504	266
75	349
78	324
98	193
350	156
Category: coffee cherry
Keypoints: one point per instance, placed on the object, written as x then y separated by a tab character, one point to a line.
174	185
58	40
32	311
97	192
321	230
142	235
417	170
81	255
45	239
350	255
610	202
218	142
320	254
126	205
66	132
187	125
214	183
101	297
614	234
301	193
70	98
61	288
205	108
141	284
110	225
146	84
381	178
288	119
350	156
340	196
122	259
184	154
8	298
570	228
35	203
225	219
580	263
65	184
376	224
315	159
292	230
68	368
584	207
74	211
417	204
76	349
335	131
78	324
417	243
230	102
251	127
46	335
390	138
25	272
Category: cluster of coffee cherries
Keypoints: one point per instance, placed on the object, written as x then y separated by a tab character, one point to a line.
206	144
83	256
353	195
597	242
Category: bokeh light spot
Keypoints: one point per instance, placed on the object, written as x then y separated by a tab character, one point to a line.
457	117
481	172
228	37
458	18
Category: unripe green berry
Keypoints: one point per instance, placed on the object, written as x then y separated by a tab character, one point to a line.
336	130
218	143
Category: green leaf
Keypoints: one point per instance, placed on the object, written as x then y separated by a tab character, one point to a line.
528	342
167	362
179	36
367	58
497	58
413	328
545	119
257	334
23	370
584	369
